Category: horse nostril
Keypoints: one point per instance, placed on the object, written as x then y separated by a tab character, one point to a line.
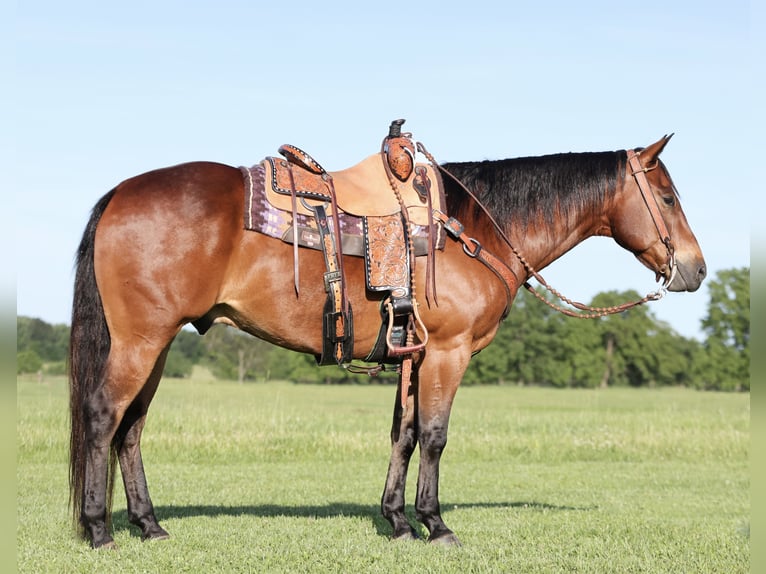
702	272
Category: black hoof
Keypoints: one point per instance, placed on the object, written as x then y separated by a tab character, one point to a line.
155	533
445	539
407	535
106	544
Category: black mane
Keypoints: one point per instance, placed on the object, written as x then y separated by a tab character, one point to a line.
530	188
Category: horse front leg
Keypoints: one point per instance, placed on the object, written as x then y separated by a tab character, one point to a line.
432	439
403	441
439	375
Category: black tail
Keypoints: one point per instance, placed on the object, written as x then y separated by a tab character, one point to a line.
88	351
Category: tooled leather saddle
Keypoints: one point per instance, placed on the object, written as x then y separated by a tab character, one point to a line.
380	209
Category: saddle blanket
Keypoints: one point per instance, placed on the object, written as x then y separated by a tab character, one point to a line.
263	217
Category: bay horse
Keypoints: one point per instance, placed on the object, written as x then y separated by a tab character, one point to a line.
168	248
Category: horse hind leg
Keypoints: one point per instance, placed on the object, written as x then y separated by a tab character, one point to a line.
127	371
98	471
127	444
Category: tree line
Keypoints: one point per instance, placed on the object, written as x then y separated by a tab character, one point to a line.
535	345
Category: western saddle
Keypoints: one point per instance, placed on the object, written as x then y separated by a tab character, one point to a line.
393	195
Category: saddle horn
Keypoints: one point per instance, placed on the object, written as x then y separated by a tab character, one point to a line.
399	151
395	129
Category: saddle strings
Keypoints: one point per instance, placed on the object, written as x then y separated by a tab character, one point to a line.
294	207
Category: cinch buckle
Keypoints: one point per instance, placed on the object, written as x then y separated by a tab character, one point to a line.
331	277
335	326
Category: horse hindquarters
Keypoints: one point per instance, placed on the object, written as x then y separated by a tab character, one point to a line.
134	290
95	415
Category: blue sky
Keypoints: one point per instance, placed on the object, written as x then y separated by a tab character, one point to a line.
104	91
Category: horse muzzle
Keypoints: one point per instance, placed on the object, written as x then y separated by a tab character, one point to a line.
683	275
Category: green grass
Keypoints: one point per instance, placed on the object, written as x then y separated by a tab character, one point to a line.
287	478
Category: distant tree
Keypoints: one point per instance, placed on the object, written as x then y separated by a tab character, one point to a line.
538	345
582	347
187	350
673	357
233	354
287	365
189	344
28	362
639	349
49	342
623	337
177	365
725	364
510	358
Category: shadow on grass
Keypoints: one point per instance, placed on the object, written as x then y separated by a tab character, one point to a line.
330	510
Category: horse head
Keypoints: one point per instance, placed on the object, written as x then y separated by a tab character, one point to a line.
647	220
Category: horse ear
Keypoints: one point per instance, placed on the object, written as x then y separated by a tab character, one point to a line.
651	153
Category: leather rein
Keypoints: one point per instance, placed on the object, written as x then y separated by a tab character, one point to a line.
474	249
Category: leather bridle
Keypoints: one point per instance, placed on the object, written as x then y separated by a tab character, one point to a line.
639	172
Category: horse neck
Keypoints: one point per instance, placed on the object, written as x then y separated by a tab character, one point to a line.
545	205
541	244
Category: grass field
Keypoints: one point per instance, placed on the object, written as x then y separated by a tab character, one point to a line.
287	478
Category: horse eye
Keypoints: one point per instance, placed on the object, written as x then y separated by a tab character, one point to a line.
669	200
